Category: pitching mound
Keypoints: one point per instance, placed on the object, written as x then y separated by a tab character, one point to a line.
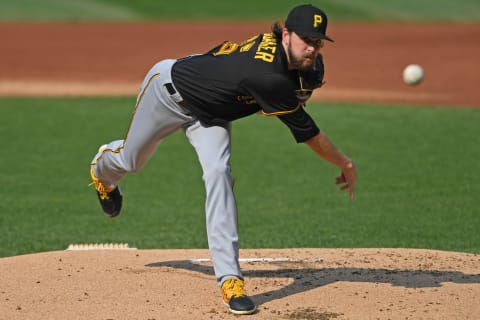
286	284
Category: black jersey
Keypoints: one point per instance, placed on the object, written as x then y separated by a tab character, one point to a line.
234	80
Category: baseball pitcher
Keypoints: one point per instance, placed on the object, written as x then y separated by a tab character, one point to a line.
271	74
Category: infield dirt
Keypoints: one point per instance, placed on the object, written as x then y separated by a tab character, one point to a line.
314	284
364	64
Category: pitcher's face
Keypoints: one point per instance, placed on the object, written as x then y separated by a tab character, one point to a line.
302	51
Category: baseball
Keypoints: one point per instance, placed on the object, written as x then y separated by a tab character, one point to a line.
413	74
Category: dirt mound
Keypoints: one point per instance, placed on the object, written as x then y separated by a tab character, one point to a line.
286	284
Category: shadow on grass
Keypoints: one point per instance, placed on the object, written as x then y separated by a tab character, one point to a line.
305	279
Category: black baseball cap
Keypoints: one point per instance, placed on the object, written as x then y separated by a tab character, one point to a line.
307	20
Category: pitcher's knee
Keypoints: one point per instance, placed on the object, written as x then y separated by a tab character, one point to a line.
217	171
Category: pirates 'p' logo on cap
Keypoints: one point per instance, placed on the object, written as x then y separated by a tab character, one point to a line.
309	21
317	20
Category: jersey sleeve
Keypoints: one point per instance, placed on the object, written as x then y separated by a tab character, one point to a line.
301	125
276	97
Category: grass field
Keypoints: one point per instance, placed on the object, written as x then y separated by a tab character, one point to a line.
417	186
338	10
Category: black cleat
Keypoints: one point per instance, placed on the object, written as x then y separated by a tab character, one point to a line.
110	199
235	298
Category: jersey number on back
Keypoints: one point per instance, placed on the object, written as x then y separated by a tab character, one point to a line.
265	50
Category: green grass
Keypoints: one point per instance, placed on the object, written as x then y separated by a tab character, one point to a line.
338	10
417	186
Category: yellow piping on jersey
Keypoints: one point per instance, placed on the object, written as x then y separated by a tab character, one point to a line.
281	113
139	100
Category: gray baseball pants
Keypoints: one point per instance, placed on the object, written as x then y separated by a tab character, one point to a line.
157	115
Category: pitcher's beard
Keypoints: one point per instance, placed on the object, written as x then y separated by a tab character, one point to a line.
301	63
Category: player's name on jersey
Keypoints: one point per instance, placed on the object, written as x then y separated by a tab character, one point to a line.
267	48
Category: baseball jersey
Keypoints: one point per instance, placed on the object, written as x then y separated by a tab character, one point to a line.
233	80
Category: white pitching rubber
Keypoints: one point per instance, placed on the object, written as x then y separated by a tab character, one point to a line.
99	246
